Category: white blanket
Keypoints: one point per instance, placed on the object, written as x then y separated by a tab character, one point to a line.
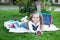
22	30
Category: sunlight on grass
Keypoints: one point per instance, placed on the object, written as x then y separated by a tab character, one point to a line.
6	15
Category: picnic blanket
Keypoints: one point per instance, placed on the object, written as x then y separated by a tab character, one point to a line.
52	27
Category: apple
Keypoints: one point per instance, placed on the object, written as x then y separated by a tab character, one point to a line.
39	32
15	19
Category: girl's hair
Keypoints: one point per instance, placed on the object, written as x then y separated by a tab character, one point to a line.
40	18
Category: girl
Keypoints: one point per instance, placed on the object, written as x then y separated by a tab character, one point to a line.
35	23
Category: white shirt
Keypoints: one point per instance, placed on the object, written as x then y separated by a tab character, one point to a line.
31	28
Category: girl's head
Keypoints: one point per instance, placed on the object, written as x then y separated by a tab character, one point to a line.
35	18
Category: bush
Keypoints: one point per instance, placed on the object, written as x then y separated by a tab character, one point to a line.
25	6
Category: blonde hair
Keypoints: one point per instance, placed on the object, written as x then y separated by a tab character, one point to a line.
40	18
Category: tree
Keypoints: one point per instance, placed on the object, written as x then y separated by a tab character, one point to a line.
26	5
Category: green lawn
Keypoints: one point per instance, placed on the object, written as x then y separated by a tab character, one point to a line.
6	15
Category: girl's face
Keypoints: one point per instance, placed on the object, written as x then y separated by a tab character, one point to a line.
35	18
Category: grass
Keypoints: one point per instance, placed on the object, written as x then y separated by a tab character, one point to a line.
6	15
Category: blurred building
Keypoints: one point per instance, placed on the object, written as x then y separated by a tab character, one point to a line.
12	1
57	2
7	1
